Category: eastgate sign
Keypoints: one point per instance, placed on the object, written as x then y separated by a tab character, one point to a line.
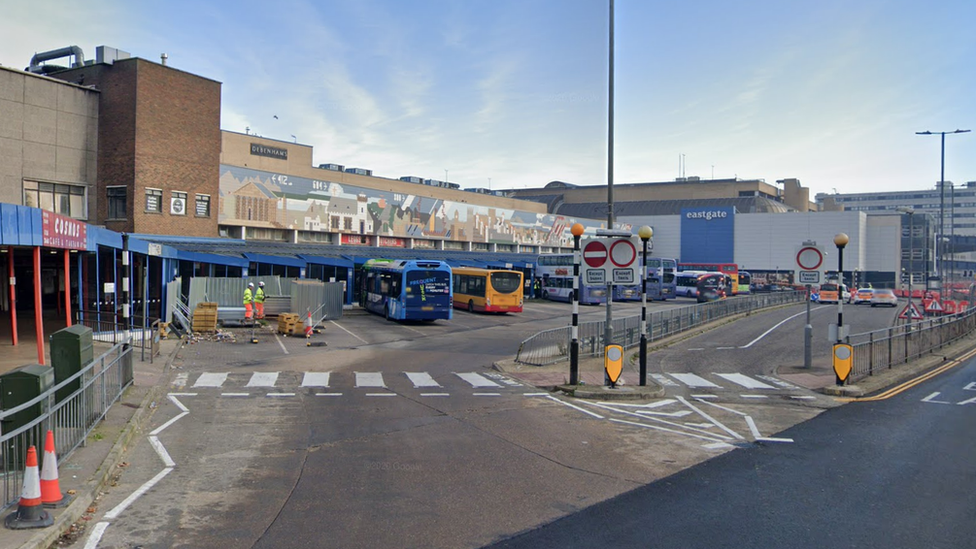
258	149
707	215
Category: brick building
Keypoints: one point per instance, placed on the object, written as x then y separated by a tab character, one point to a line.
158	145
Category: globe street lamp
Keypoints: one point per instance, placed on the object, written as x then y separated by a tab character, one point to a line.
645	233
840	241
577	231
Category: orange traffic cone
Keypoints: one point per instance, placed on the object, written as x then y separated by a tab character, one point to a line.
51	495
30	513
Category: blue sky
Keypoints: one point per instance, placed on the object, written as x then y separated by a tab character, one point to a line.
515	91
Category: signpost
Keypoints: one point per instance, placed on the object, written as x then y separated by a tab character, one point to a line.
809	261
611	260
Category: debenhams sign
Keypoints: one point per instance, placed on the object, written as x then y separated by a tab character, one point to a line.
258	149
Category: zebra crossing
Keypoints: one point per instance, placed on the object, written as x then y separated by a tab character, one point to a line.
232	384
730	381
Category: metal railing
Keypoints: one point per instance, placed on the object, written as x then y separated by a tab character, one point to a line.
883	349
100	384
551	346
108	327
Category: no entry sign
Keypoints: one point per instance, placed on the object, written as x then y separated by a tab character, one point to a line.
611	260
595	253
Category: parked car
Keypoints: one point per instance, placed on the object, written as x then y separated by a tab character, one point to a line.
862	296
884	297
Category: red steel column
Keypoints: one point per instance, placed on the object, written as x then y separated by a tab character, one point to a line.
38	321
13	294
67	288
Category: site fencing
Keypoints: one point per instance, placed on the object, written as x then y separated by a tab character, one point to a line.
552	346
142	332
883	349
100	384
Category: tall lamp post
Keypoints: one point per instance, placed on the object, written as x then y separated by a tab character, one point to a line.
940	247
645	233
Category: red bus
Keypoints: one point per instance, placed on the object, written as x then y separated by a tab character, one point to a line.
730	269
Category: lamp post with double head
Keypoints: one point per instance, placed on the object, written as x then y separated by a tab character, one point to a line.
645	233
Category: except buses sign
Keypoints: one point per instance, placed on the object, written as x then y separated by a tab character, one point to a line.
610	260
809	263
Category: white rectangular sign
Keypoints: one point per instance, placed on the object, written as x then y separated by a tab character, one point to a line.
808	277
610	260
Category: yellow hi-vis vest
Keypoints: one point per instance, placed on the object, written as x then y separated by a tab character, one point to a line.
259	295
247	296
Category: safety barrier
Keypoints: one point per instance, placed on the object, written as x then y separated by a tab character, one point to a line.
142	332
72	420
884	349
551	346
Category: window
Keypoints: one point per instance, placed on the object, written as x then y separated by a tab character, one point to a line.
116	202
203	205
177	204
334	222
154	201
347	223
69	200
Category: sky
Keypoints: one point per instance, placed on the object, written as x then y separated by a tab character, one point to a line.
510	94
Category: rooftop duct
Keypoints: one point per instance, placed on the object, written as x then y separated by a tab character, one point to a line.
35	63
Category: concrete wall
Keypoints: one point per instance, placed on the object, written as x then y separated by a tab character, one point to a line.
48	134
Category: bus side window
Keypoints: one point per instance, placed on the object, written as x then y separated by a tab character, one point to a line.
395	287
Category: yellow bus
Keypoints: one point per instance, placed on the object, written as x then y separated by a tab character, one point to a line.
487	290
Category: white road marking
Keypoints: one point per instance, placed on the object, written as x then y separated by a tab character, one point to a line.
405	327
280	394
745	381
280	344
773	439
679	413
696	348
968	401
660	378
263	379
659	420
117	510
421	379
210	380
718	446
161	451
803	397
183	394
752	427
754	396
369	379
659	428
168	423
172	397
536	394
931	399
477	380
780	382
235	394
724	348
96	535
328	394
348	332
700	425
710	419
486	394
692	380
435	394
704	396
381	394
575	407
720	407
767	332
316	379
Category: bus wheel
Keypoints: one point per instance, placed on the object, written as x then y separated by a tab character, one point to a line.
470	305
545	294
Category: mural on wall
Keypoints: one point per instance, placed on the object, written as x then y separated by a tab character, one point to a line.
257	198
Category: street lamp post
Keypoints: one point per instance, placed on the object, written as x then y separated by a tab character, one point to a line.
645	233
940	247
840	241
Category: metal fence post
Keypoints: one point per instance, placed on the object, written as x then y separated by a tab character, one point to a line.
871	354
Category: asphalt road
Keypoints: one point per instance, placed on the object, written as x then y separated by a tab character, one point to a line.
893	474
262	454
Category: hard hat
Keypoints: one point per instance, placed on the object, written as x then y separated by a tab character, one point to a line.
261	284
250	284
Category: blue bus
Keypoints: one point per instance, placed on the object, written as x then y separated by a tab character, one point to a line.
661	282
556	272
407	289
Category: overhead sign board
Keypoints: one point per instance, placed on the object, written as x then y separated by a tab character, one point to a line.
611	260
809	264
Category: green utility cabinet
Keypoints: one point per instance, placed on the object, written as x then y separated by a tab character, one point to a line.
72	349
17	387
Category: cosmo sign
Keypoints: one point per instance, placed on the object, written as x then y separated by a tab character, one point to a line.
708	234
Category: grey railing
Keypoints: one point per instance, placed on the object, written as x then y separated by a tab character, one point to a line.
100	384
883	349
552	345
142	332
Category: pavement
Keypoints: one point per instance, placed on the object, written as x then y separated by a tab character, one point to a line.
94	467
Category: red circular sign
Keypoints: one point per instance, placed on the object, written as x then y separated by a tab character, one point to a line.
623	253
809	259
595	254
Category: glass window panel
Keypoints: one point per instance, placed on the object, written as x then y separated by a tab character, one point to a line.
30	198
78	206
47	201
